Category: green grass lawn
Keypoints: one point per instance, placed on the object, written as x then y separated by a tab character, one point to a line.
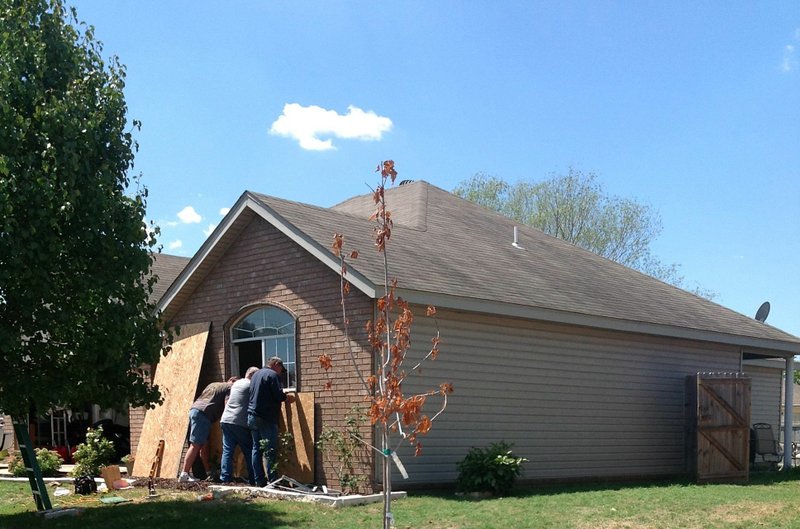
769	501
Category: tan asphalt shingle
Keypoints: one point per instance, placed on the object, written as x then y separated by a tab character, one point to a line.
167	268
446	245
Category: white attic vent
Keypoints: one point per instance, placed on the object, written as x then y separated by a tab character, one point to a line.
515	244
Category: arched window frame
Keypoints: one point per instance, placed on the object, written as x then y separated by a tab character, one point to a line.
258	325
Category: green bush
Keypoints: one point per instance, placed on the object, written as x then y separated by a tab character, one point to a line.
49	463
491	469
344	452
92	455
285	451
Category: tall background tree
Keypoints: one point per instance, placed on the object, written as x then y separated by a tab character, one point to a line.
576	208
75	251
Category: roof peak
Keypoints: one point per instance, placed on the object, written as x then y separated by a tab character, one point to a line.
408	203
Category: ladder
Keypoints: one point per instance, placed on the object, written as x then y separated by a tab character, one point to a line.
58	429
32	467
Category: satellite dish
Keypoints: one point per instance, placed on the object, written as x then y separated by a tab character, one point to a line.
763	312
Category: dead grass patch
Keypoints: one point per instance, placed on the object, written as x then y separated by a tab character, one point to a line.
616	524
746	511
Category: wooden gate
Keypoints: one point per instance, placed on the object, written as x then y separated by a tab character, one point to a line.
718	427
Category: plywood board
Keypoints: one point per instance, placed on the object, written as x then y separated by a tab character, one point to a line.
299	416
176	376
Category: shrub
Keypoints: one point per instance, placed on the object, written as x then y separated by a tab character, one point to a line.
344	451
49	463
491	469
95	453
284	454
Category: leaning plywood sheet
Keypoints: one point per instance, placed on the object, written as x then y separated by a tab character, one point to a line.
176	376
297	419
299	416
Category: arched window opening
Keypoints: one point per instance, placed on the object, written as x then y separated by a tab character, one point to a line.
262	334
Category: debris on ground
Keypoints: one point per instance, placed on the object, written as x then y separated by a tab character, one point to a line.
114	499
173	484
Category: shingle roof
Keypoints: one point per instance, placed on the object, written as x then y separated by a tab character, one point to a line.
447	246
167	268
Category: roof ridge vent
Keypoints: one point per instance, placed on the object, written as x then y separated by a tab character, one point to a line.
404	182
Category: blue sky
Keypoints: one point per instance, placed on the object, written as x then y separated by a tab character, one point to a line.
691	107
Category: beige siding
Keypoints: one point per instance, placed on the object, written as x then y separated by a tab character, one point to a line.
766	394
576	403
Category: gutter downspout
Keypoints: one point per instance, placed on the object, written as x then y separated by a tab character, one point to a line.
788	421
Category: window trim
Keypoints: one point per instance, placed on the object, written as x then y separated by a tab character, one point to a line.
231	342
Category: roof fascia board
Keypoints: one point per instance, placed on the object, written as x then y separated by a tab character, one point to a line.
247	201
772	363
583	320
311	246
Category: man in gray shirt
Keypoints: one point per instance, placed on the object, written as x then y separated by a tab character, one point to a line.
234	429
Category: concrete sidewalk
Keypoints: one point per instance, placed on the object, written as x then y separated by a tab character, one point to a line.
64	473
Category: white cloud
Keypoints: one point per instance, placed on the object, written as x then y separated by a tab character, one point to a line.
208	230
789	61
174	245
189	216
224	211
307	124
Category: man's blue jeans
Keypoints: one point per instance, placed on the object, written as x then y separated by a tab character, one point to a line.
234	435
263	429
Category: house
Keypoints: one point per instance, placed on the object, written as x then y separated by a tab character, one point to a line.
576	360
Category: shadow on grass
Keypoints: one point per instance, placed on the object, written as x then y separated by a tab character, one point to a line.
525	491
766	477
231	511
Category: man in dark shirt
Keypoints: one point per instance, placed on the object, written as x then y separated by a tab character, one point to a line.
263	413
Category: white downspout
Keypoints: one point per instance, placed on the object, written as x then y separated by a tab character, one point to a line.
788	421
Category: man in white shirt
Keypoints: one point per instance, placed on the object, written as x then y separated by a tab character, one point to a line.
234	428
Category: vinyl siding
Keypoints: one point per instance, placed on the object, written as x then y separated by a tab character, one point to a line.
575	403
766	395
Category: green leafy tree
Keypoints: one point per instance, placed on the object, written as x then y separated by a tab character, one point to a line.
576	208
75	251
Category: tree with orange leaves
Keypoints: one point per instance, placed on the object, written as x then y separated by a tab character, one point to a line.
389	336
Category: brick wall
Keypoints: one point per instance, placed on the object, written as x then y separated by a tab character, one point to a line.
265	267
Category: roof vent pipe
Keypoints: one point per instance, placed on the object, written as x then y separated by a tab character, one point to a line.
515	244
